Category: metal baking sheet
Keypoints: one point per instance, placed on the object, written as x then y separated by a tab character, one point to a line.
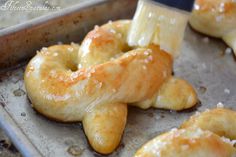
19	42
203	63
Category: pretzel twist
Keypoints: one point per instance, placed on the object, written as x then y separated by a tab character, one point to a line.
94	82
203	135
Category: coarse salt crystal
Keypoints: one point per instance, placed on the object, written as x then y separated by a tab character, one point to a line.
198	132
192	140
197	113
219	18
44	49
113	31
70	49
134	54
146	61
227	91
220	105
228	50
99	85
52	73
96	27
92	70
61	78
226	140
79	66
150	58
72	43
95	81
150	15
222	7
89	75
74	75
196	7
55	54
146	53
173	129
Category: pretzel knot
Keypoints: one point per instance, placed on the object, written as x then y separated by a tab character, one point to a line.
94	82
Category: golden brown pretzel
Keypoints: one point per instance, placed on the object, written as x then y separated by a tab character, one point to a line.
198	137
106	79
219	120
216	18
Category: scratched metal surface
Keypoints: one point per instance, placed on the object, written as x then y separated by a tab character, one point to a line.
202	63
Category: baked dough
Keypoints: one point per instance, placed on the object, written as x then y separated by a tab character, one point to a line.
216	18
94	82
187	143
203	135
221	121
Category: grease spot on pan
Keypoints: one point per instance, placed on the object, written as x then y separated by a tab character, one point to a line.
19	92
75	150
202	89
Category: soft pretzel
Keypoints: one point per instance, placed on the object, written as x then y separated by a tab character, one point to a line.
187	143
200	136
94	82
216	18
220	121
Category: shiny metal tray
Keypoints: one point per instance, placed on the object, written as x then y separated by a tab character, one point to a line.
203	63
